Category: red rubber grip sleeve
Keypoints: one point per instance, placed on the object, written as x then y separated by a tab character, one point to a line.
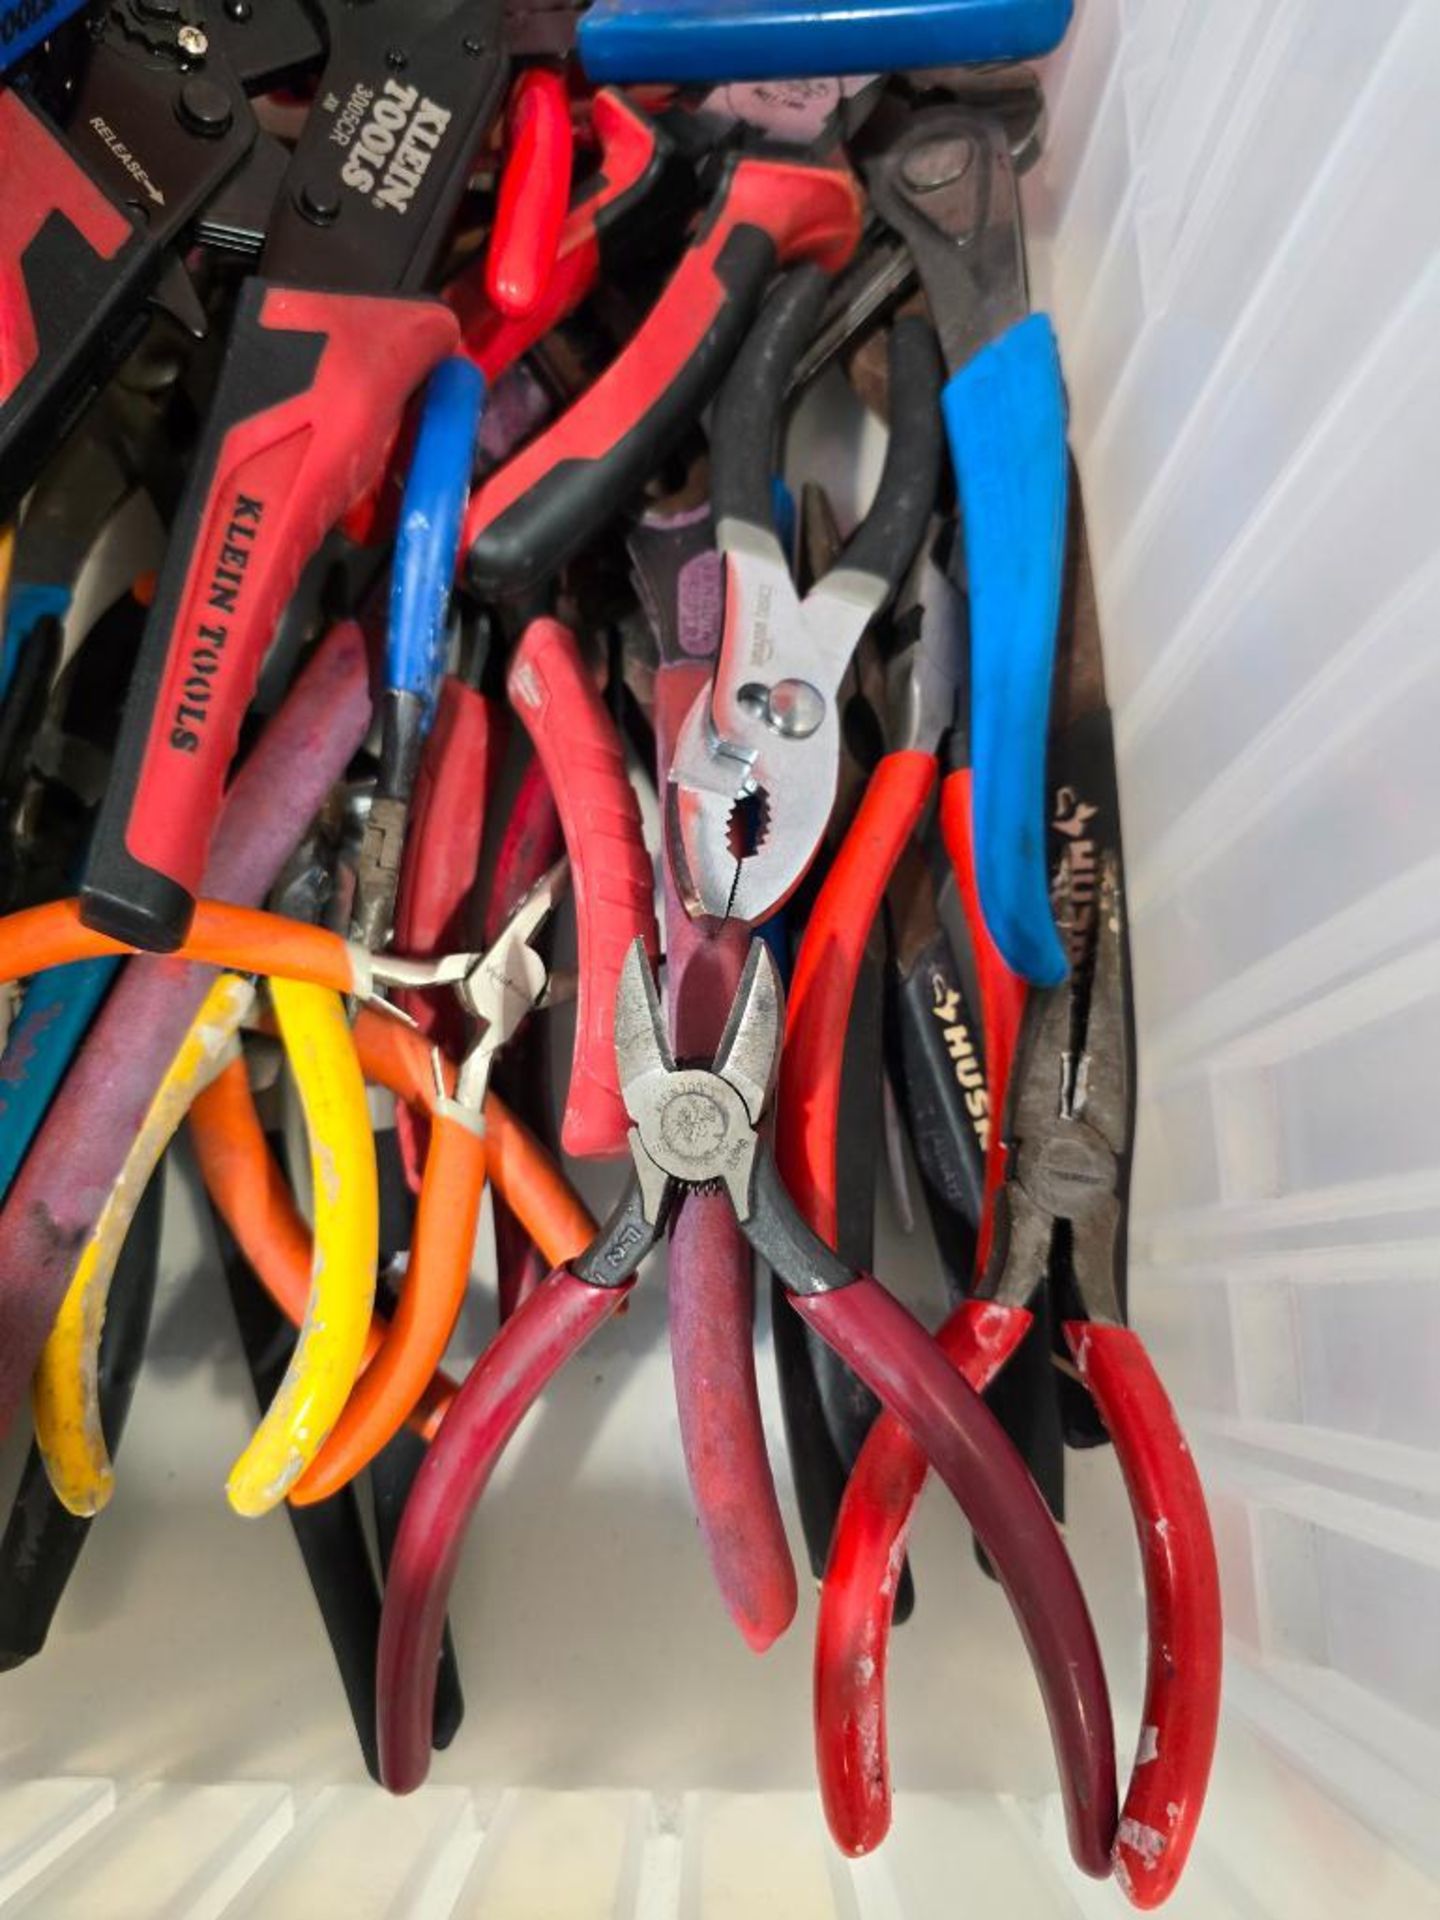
532	513
531	844
1002	993
857	1596
577	744
827	968
447	821
311	391
534	192
42	179
504	1383
629	153
968	1448
1182	1604
443	838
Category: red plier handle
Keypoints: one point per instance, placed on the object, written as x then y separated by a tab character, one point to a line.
827	969
544	503
534	193
577	744
632	154
309	398
1184	1619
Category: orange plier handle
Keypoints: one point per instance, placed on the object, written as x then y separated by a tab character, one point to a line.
240	939
251	1194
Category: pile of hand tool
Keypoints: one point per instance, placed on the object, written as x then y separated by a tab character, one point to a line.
417	614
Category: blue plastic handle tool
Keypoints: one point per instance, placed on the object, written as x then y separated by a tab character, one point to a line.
27	605
59	1006
25	23
718	40
1005	415
428	543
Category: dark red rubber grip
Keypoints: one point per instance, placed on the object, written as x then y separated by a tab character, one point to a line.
502	1386
1002	993
447	819
968	1448
437	874
822	990
310	393
857	1597
576	742
534	192
1182	1603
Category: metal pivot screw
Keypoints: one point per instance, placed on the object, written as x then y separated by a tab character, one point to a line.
318	205
793	708
205	107
938	163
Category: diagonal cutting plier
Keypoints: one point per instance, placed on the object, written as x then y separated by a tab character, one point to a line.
500	990
699	1126
711	1269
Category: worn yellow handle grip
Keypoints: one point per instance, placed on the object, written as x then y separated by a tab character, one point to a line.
66	1389
328	1354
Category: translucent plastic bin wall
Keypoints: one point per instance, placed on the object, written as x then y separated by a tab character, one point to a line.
1236	226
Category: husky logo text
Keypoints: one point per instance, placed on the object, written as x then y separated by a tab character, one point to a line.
945	1005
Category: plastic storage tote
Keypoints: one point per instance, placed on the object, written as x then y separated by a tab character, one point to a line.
1236	227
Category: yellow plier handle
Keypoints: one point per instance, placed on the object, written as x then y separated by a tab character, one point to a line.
327	1357
66	1389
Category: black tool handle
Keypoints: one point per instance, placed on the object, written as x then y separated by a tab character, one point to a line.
888	538
74	272
43	1540
942	1077
747	413
330	1534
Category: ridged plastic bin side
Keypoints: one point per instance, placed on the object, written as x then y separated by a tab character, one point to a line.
1236	226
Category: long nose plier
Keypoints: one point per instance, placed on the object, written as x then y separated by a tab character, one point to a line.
1068	1134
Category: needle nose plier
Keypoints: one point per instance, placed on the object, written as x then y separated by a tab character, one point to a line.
765	739
695	1127
1068	1138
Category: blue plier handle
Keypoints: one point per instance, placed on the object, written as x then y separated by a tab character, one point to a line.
437	487
728	40
947	185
